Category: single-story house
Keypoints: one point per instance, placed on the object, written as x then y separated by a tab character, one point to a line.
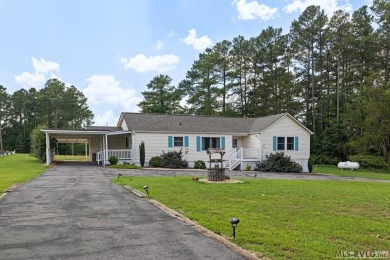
245	140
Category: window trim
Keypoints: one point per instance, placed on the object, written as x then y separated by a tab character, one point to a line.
279	144
176	143
292	143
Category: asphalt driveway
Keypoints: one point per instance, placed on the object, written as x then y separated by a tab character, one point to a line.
75	212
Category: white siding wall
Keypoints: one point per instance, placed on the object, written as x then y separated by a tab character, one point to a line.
286	127
156	143
124	125
251	141
96	144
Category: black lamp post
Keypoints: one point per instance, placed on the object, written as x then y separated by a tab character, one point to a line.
119	175
234	222
146	188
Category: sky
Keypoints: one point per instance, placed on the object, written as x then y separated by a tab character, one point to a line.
111	49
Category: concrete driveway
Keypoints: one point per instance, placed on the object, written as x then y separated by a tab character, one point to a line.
75	212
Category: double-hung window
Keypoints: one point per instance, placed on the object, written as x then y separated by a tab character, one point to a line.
290	143
178	141
280	143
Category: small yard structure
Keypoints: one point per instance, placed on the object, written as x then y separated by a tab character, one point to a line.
218	172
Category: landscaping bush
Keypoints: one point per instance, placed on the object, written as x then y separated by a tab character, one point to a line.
142	153
113	160
199	164
310	165
278	162
173	159
156	161
370	161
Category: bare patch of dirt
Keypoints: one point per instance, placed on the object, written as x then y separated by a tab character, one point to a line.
222	182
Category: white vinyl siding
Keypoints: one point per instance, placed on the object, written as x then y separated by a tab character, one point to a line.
156	143
287	127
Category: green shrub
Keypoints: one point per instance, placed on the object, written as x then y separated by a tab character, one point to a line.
113	160
199	164
278	162
370	161
173	159
248	167
156	161
324	159
310	165
142	153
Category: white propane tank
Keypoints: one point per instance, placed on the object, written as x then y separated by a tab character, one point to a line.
348	165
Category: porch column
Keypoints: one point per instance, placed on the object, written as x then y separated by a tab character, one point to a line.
106	151
48	151
86	154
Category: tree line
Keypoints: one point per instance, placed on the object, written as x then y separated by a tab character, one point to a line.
55	106
330	72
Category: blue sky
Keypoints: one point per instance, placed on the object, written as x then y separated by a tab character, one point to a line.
110	49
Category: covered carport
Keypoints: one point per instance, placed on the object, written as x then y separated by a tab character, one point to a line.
96	139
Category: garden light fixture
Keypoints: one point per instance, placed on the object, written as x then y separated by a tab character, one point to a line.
234	222
146	188
119	175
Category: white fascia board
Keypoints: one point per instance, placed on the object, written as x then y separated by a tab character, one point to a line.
79	132
120	132
184	133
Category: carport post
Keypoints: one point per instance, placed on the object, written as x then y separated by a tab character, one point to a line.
48	152
106	151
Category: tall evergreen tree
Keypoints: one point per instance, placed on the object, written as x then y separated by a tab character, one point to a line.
162	97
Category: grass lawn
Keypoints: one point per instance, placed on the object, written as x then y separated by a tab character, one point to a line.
283	219
364	173
70	158
18	168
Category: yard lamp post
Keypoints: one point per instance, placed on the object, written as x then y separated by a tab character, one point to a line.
119	175
234	222
146	188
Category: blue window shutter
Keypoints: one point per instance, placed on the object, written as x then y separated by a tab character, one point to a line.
296	143
275	143
186	142
198	143
223	142
170	141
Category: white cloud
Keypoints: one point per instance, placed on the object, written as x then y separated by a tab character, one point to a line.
30	80
199	44
106	90
159	45
44	66
159	63
43	71
329	6
106	119
253	10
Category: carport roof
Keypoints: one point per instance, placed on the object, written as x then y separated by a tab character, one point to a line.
81	135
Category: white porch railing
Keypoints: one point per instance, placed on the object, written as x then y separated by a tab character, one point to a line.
121	154
234	158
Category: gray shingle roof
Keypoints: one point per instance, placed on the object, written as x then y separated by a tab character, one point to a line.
197	124
104	128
